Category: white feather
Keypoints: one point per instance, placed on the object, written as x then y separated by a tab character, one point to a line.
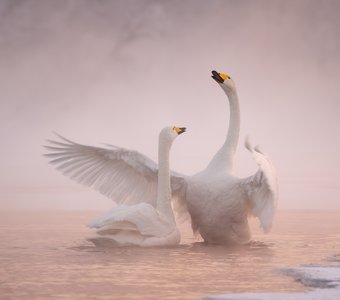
140	224
262	188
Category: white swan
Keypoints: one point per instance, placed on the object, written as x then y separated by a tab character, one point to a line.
139	224
220	203
142	224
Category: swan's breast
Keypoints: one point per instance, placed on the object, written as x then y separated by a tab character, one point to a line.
218	207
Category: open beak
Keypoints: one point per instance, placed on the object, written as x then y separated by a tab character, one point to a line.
180	130
217	76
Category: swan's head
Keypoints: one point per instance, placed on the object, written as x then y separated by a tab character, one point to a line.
224	80
169	133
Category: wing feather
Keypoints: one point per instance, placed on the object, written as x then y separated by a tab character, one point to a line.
262	188
125	176
179	189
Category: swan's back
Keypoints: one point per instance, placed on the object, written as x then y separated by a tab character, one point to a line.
139	224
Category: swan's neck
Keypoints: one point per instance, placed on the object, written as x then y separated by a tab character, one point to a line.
223	159
164	187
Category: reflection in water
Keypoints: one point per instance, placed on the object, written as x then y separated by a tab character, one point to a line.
47	254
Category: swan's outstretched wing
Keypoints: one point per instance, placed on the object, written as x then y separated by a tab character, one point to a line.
123	175
262	188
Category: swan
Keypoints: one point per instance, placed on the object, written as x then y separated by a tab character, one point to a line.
147	223
217	202
142	224
220	203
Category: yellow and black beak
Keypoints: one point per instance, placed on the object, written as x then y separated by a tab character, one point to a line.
219	77
180	130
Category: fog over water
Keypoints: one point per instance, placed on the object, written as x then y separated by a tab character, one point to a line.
118	71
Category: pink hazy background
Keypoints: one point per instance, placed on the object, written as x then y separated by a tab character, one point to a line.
118	71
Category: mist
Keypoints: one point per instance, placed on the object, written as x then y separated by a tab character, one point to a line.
119	71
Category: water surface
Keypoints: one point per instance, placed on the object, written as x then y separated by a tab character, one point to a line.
45	255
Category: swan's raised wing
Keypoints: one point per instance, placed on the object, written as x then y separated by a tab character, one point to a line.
262	189
123	175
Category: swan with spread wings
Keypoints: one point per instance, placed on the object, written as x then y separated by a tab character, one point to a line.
143	224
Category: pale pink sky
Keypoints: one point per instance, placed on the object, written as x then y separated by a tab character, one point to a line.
118	71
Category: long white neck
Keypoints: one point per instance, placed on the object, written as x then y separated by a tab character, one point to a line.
223	159
164	189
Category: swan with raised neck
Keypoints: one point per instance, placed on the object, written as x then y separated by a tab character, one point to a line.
163	203
223	159
144	224
219	202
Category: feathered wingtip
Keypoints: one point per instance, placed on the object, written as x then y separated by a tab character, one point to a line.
55	147
249	147
247	144
58	143
63	138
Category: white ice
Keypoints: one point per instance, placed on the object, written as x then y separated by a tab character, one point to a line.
326	280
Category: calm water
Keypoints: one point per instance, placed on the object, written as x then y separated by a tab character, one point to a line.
46	256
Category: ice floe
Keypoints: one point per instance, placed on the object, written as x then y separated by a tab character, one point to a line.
325	280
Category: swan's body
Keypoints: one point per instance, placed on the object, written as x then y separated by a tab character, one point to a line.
218	202
139	224
218	209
